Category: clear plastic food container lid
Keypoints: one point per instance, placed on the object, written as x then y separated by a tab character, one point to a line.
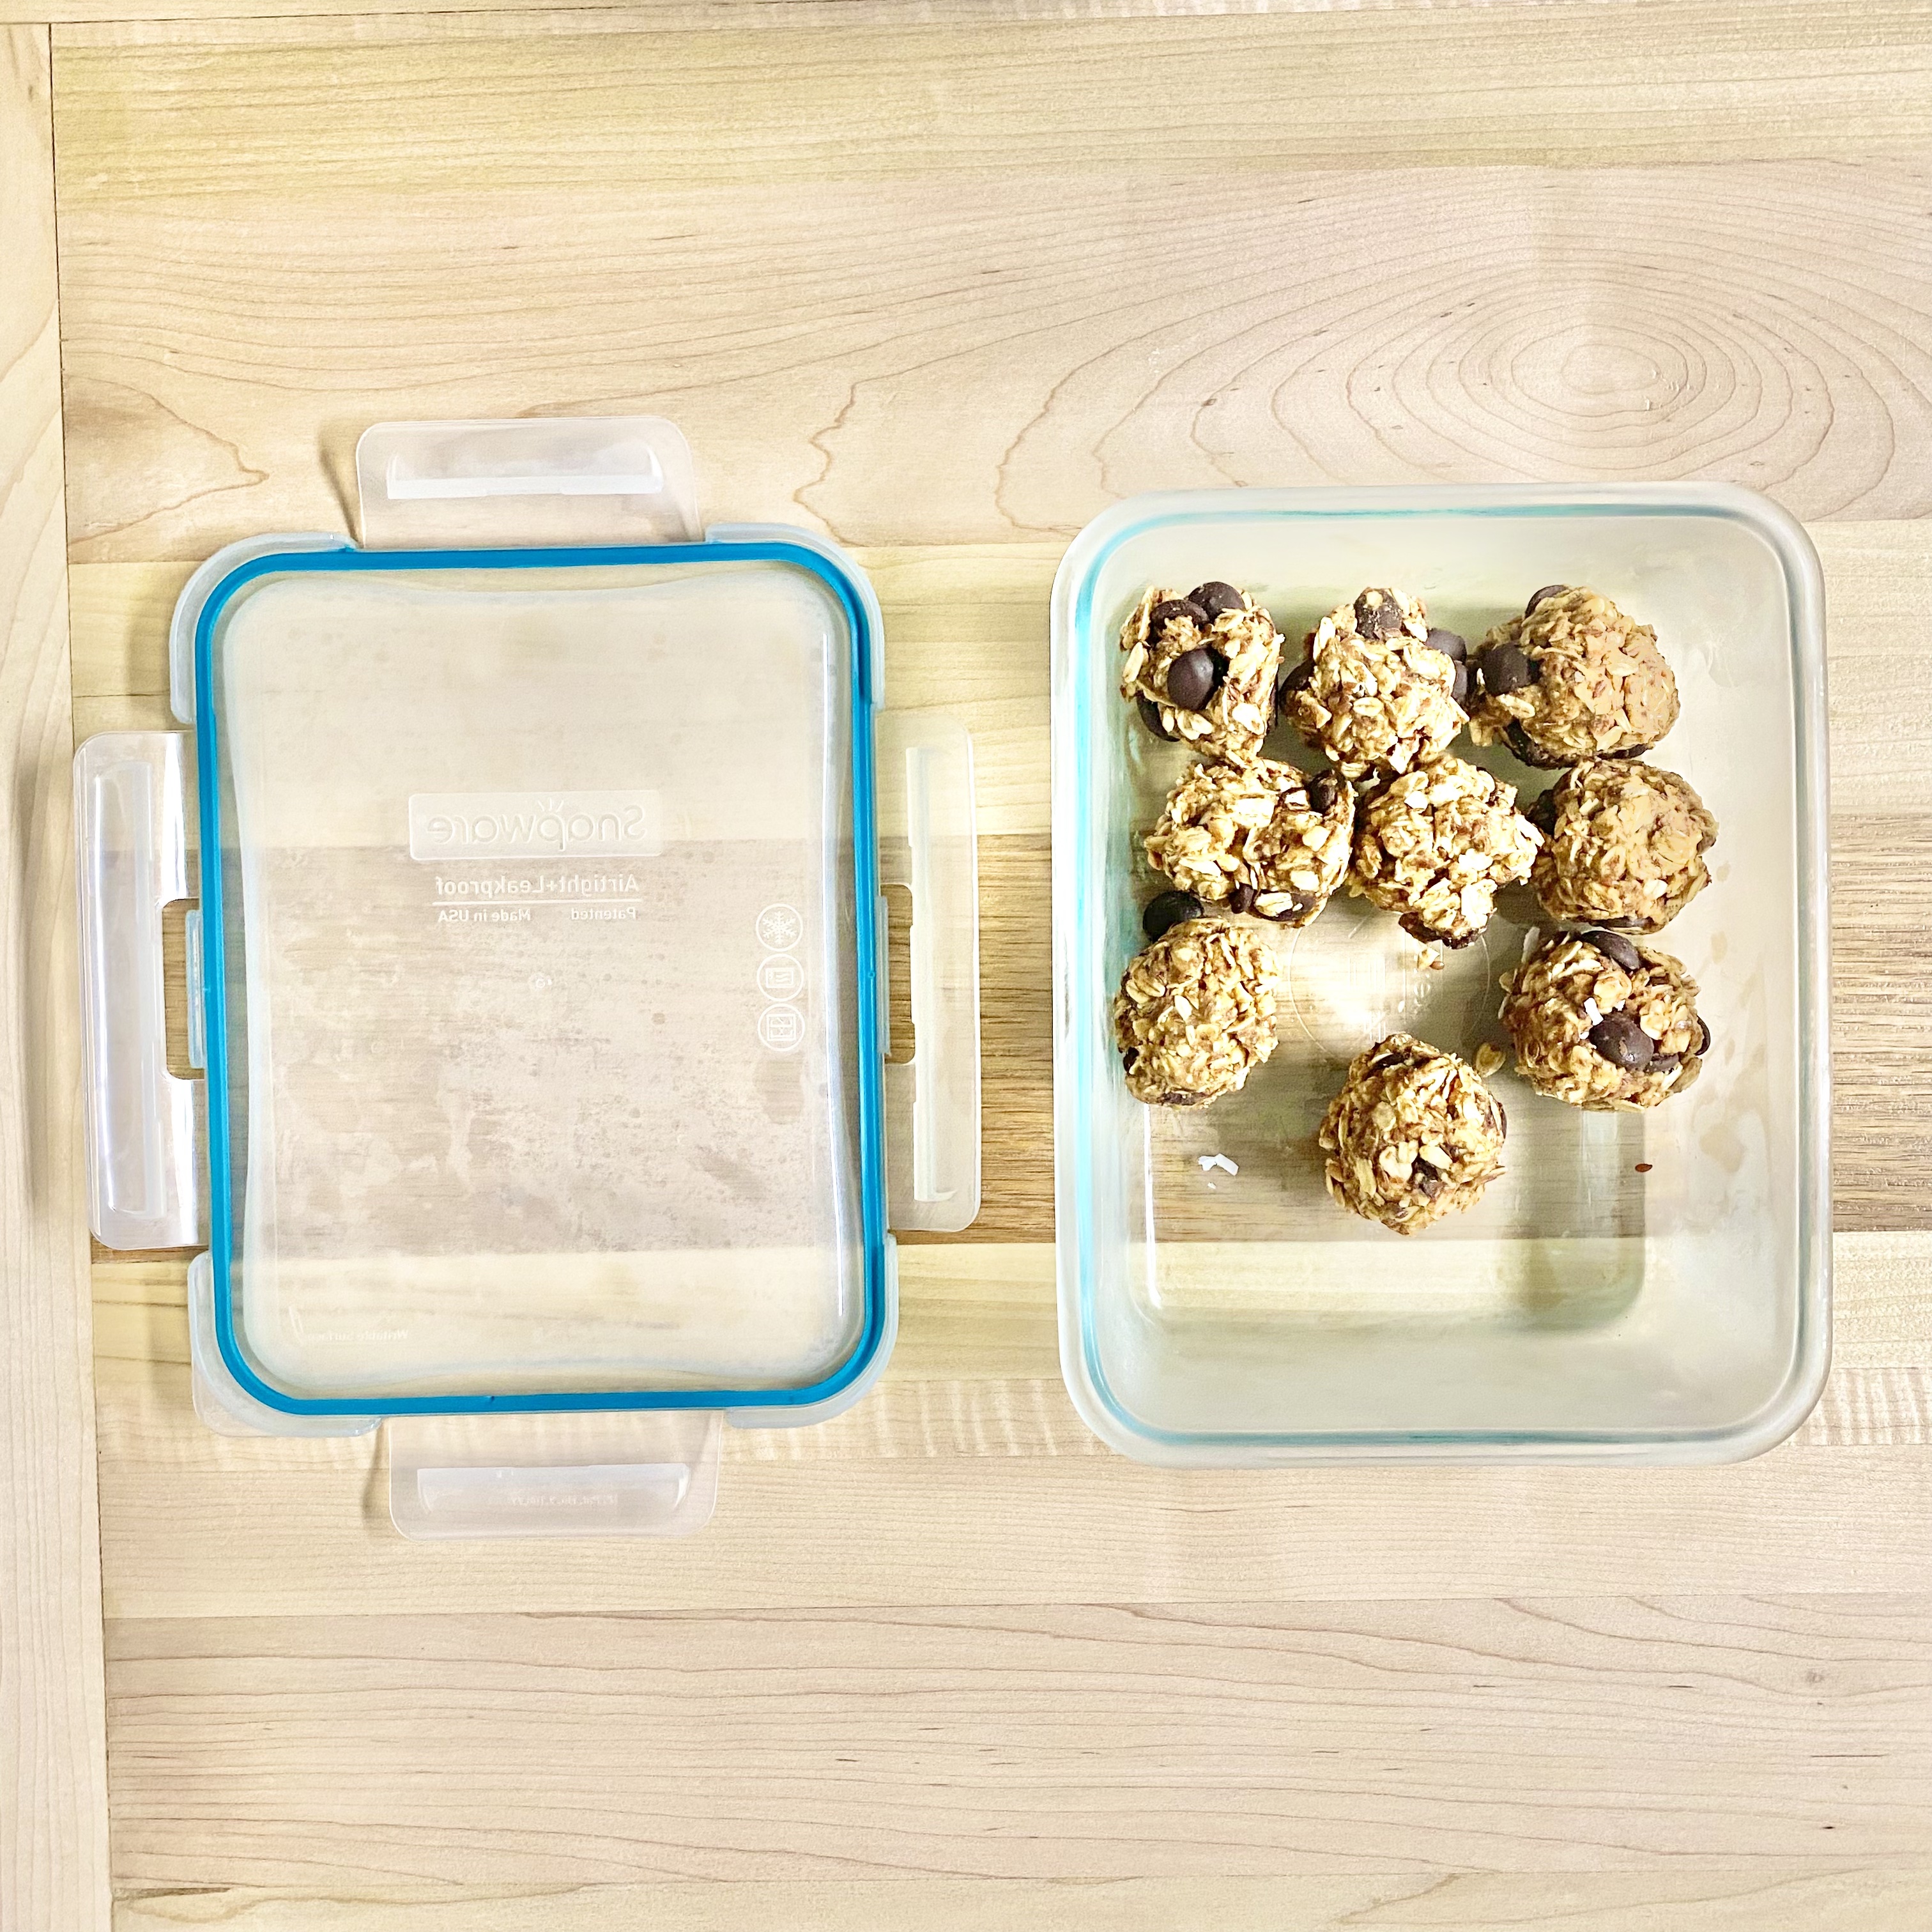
540	950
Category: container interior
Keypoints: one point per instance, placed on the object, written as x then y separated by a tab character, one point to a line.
1632	1279
542	988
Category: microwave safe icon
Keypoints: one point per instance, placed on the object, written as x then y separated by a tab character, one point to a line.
781	977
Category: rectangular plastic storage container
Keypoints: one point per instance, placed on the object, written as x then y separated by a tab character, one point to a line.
539	972
1649	1288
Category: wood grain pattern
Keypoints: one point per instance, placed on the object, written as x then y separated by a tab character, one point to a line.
1679	1897
890	336
53	1799
934	1741
945	283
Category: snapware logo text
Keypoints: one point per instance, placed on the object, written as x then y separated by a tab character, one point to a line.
536	825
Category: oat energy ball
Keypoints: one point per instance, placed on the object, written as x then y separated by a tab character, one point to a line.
1572	678
1435	846
1625	846
1413	1135
1605	1023
1377	690
1195	1014
1202	666
1256	835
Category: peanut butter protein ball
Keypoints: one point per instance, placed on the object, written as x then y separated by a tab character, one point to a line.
1377	690
1436	845
1195	1013
1625	847
1413	1135
1256	835
1202	666
1605	1022
1572	678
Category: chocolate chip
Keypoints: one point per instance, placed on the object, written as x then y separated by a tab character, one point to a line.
1216	599
1519	741
1151	717
1506	667
1614	947
1703	1045
1192	678
1425	1180
1619	1038
1129	1054
1662	1063
1168	911
1297	680
1450	643
1459	689
1325	788
1296	908
1378	613
1162	615
1632	752
1395	1056
1417	929
1241	898
1540	810
1548	590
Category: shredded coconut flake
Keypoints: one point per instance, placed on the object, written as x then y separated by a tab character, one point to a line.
1210	1163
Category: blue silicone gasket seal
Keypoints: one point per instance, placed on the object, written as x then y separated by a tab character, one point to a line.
852	604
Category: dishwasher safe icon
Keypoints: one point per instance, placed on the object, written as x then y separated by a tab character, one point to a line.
781	1028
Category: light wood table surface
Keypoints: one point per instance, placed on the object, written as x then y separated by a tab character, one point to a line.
944	283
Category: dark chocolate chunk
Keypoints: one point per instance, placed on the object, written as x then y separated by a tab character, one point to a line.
1459	690
1296	908
1520	742
1217	598
1324	789
1378	613
1548	590
1540	810
1450	643
1395	1056
1417	929
1619	1038
1507	667
1614	947
1241	898
1151	717
1193	677
1662	1063
1703	1045
1162	615
1631	751
1129	1054
1297	680
1164	912
1425	1180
